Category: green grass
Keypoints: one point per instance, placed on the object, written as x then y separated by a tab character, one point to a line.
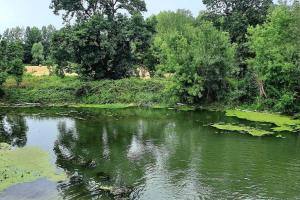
50	90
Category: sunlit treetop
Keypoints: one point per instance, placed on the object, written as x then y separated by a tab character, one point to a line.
84	9
226	7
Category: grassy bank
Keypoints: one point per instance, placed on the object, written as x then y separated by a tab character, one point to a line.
70	90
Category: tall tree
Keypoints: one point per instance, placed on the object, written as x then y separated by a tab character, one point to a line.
84	9
14	34
37	53
11	54
276	45
32	35
3	61
235	16
168	23
47	34
105	40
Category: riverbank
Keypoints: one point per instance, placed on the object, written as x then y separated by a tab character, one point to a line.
51	90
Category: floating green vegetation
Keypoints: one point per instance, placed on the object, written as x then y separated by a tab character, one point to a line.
25	165
186	108
246	129
283	123
104	106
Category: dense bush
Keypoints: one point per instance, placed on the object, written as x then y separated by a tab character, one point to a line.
202	60
276	45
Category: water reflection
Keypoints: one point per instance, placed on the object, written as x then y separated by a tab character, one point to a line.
13	130
154	154
140	154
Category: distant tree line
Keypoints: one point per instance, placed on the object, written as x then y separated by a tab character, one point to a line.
19	46
238	52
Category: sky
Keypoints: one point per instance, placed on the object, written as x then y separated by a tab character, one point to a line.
37	13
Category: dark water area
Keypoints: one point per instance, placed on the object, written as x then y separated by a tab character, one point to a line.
151	154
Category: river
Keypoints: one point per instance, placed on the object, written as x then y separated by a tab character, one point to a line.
151	154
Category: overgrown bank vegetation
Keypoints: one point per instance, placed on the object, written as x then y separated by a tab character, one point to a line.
244	53
70	90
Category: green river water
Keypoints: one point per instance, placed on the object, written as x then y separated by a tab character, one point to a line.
149	154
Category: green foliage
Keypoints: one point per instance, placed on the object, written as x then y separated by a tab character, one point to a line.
71	90
168	21
104	43
235	16
14	34
47	34
37	53
11	54
276	45
84	9
201	58
32	35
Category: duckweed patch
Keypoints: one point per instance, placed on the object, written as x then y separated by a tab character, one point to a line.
25	165
104	106
246	129
283	123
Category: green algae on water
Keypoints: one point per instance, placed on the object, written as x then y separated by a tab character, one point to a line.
25	165
246	129
104	106
283	123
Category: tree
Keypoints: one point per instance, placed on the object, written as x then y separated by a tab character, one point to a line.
168	23
62	52
14	34
11	54
32	35
37	53
13	129
202	59
105	42
3	60
235	16
47	34
84	9
276	45
173	21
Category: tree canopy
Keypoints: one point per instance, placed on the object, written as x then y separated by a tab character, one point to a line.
200	57
84	9
105	43
276	45
37	52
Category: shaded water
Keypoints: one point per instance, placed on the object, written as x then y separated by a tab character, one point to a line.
151	154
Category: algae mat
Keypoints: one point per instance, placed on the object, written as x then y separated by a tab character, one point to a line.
25	165
252	131
282	123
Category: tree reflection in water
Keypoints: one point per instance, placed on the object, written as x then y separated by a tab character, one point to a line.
131	154
106	153
13	129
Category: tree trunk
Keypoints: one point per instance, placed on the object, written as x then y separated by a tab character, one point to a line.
262	91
